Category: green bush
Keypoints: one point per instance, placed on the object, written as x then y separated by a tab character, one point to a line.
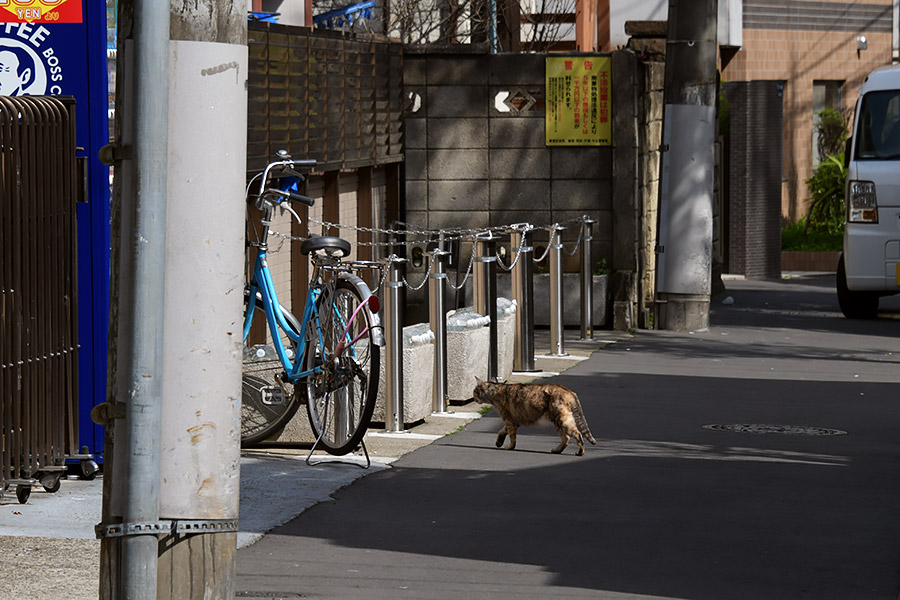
832	128
826	186
795	237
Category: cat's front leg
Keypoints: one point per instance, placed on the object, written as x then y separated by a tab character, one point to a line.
511	430
501	437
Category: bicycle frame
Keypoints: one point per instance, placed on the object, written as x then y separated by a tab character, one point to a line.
261	282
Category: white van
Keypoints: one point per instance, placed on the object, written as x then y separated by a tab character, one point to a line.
869	267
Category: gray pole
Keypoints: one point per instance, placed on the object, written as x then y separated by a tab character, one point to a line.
484	292
438	317
393	337
557	324
144	363
689	126
523	292
587	280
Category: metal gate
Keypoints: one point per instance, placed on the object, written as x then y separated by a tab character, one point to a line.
38	291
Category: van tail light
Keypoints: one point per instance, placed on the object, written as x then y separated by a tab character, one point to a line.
862	206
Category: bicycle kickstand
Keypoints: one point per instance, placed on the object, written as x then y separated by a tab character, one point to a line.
331	460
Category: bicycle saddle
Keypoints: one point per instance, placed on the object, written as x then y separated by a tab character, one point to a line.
334	247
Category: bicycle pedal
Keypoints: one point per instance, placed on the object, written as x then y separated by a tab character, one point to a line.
272	395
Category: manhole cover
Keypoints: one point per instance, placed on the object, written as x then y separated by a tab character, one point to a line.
778	429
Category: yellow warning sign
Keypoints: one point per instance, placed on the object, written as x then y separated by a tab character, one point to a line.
578	101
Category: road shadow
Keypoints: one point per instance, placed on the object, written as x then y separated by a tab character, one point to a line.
660	507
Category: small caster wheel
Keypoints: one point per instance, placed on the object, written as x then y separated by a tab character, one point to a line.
50	483
89	469
23	492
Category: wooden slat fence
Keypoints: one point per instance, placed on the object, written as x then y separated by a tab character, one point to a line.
324	95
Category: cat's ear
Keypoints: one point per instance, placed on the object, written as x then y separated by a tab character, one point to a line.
478	381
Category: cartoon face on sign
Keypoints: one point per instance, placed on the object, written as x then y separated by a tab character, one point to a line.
28	65
16	75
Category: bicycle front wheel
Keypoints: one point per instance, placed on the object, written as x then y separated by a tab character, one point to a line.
268	401
341	396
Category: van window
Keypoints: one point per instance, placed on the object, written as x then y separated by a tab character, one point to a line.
879	126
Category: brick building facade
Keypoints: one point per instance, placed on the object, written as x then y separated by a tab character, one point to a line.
812	48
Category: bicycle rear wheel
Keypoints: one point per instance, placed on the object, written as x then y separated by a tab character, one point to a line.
268	401
341	397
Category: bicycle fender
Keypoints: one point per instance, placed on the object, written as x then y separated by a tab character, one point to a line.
365	292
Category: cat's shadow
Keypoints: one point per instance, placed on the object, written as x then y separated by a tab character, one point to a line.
517	450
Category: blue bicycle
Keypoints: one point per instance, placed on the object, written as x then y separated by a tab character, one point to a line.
329	357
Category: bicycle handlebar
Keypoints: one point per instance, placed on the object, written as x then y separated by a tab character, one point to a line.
276	194
301	198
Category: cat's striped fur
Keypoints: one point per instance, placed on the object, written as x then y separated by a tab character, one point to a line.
521	404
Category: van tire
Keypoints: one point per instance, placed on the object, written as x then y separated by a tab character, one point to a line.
854	305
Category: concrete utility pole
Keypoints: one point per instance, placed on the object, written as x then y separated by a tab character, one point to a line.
688	159
191	537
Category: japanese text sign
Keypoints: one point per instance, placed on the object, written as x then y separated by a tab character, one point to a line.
40	11
578	101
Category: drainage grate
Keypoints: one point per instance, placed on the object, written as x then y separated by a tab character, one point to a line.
268	595
777	429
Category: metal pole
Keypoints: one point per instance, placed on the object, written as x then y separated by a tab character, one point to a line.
492	27
438	316
587	280
393	337
557	327
523	292
145	359
484	272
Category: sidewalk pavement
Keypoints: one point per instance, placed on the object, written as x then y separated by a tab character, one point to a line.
48	549
675	501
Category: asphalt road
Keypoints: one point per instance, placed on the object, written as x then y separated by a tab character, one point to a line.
804	505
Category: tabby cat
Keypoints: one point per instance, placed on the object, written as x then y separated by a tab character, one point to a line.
521	404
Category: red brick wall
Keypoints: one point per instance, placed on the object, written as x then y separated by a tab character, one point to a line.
799	58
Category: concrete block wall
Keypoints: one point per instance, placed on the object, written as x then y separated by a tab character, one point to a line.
472	165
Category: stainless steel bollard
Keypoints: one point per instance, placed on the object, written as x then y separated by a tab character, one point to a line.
484	272
557	327
438	316
393	338
587	280
523	293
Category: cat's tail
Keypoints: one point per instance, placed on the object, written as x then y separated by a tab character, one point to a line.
581	422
